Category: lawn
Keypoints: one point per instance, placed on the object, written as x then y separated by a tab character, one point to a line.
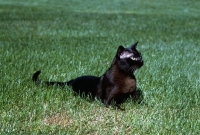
67	39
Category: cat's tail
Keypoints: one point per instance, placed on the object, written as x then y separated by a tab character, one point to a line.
37	81
35	77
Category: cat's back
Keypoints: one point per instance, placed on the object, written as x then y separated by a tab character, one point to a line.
86	84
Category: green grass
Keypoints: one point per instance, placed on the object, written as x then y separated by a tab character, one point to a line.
67	39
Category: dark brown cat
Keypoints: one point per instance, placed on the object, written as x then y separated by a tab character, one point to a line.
116	84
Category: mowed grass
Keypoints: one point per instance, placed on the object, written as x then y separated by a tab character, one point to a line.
67	39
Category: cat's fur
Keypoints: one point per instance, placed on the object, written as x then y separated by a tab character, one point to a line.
116	84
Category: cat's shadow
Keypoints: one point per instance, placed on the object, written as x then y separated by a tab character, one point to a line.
138	98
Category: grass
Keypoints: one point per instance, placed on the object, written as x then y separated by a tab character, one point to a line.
66	39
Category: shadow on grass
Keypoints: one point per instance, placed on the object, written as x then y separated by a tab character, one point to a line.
138	98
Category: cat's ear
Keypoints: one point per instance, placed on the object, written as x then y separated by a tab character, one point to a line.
120	50
134	45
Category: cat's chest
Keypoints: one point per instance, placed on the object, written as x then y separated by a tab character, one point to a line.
124	83
129	85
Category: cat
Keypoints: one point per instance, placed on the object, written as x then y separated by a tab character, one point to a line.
115	85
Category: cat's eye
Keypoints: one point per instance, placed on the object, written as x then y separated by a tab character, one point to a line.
136	58
133	58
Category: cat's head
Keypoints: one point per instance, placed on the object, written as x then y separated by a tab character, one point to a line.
129	59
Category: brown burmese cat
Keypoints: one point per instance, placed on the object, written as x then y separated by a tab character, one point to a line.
116	84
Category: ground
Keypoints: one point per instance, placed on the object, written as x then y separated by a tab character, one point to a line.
67	39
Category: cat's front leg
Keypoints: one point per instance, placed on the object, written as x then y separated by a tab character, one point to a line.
137	96
113	95
110	96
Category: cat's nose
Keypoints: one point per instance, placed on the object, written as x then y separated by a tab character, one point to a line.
142	62
140	59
